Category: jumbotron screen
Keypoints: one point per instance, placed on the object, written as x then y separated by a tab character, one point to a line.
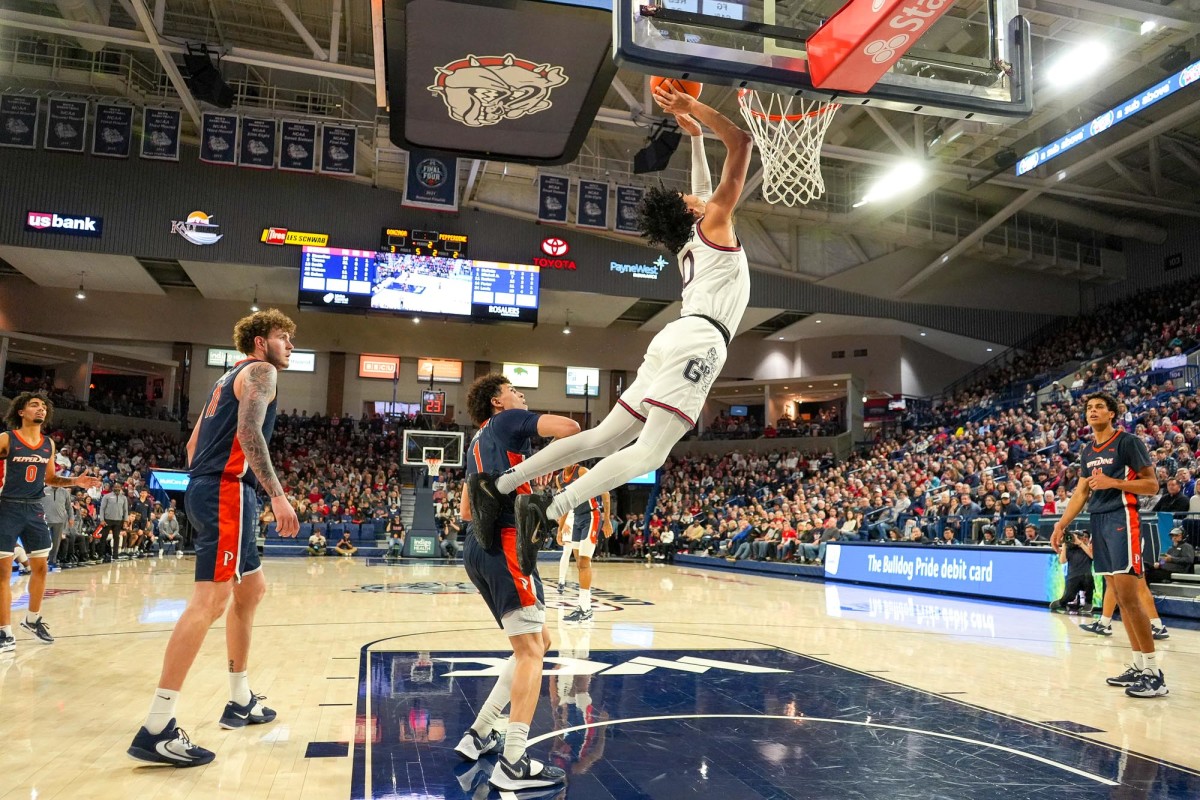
337	279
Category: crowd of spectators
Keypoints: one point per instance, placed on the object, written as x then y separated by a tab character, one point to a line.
826	422
16	382
126	403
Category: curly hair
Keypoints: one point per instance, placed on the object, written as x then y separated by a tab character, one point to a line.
663	218
1107	399
12	417
260	323
479	396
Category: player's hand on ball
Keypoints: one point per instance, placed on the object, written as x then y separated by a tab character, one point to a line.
674	102
286	521
687	124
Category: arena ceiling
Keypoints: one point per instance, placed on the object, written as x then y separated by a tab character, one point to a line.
317	59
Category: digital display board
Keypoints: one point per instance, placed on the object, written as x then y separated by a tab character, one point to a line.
581	379
381	367
522	376
339	279
423	243
169	480
433	403
446	370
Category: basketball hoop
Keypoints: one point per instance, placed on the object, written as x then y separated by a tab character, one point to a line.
789	131
432	465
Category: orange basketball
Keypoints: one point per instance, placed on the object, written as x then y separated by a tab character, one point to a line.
678	84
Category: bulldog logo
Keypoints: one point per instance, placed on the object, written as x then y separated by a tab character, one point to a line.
484	90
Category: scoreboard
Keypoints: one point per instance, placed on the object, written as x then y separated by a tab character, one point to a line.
423	242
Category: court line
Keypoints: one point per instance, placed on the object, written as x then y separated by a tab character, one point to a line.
900	728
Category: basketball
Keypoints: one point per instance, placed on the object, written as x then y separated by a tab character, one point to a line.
678	84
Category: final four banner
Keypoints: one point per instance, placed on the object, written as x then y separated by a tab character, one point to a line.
113	134
66	125
554	191
337	149
592	211
18	120
432	181
258	143
628	200
218	138
160	134
298	147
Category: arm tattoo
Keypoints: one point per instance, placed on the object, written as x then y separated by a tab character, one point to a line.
258	390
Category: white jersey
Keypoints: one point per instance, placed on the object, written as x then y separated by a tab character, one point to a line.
716	280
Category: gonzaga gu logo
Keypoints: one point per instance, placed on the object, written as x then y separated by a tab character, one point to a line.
485	90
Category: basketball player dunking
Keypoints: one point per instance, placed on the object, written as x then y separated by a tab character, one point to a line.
683	360
511	589
578	531
226	453
28	457
1117	468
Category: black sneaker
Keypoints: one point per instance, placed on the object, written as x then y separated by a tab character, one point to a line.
525	773
532	527
7	643
1097	628
39	630
171	748
484	498
473	747
579	615
253	713
1161	633
1132	676
1150	685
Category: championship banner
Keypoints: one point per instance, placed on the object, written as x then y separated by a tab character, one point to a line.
113	135
218	138
431	181
592	211
66	125
337	149
18	120
628	200
298	147
160	134
257	149
553	195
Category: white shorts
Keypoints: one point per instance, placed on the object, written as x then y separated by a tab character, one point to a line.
678	370
528	619
585	547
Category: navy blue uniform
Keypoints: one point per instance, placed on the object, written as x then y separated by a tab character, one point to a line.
21	513
221	501
502	442
1115	524
587	516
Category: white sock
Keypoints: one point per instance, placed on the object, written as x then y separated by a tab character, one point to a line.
564	563
507	483
514	741
1150	662
239	688
558	507
7	630
1106	621
162	710
585	599
1157	624
32	618
493	707
1139	660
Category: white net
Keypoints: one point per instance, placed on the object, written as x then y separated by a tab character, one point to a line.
789	131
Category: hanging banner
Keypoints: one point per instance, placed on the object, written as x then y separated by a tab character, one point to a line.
113	133
160	134
18	120
553	194
218	138
257	149
298	147
592	211
66	125
628	200
431	181
337	149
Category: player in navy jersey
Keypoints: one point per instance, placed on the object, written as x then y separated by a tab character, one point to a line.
227	459
578	531
509	583
28	457
665	399
1115	468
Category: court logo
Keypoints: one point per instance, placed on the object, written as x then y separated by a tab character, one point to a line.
486	90
198	229
564	666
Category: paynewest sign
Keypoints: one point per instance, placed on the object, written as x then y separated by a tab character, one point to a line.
865	38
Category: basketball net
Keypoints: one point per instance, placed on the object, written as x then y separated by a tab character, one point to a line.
789	131
432	465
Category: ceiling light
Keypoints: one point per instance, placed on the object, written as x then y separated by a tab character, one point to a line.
254	302
817	321
1148	26
810	386
989	349
922	333
417	321
1077	63
781	338
902	176
80	294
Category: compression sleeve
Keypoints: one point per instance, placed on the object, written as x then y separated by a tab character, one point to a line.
701	178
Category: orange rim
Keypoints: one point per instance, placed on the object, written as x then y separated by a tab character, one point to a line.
743	93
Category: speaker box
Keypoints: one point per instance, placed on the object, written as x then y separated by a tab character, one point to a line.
205	80
655	156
